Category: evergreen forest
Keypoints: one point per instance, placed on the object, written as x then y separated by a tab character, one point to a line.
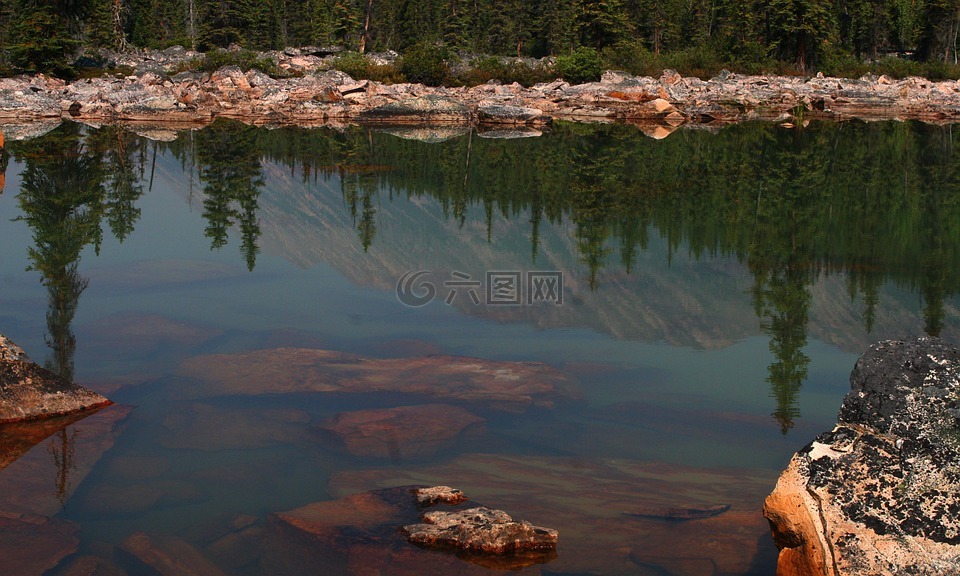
791	36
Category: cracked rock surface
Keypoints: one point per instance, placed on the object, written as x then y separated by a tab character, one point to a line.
880	493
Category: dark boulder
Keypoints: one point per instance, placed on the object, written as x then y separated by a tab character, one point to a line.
880	493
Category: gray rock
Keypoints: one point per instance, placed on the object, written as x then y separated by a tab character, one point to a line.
334	77
616	77
504	114
420	110
28	391
383	58
28	104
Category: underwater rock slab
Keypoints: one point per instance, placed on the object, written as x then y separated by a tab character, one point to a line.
507	386
402	433
165	556
29	391
880	493
204	427
43	479
585	500
17	438
87	565
32	544
139	345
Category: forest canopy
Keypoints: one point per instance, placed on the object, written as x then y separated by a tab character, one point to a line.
744	35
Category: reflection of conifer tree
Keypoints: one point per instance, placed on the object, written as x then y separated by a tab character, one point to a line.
591	211
228	159
933	271
358	191
783	298
939	232
536	213
358	185
368	223
249	228
124	156
867	285
61	197
784	261
63	450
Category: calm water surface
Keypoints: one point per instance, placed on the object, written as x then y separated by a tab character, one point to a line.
717	287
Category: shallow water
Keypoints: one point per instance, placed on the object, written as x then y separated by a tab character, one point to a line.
716	291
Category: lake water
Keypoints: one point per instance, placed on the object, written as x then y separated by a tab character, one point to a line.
703	298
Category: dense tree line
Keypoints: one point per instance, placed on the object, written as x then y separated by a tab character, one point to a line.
805	33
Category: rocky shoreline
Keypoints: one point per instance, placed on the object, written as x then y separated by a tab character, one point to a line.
315	94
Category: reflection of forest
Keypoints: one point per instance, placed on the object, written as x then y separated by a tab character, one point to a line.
875	202
70	183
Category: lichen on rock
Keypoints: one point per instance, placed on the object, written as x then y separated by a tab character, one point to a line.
880	493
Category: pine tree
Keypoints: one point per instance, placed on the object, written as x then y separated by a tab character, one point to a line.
941	27
40	39
603	23
800	29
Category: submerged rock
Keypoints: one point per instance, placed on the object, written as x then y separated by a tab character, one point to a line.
31	544
66	449
508	386
164	555
28	391
880	493
203	427
402	433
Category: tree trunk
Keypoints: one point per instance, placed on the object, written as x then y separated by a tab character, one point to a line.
366	27
191	21
121	38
